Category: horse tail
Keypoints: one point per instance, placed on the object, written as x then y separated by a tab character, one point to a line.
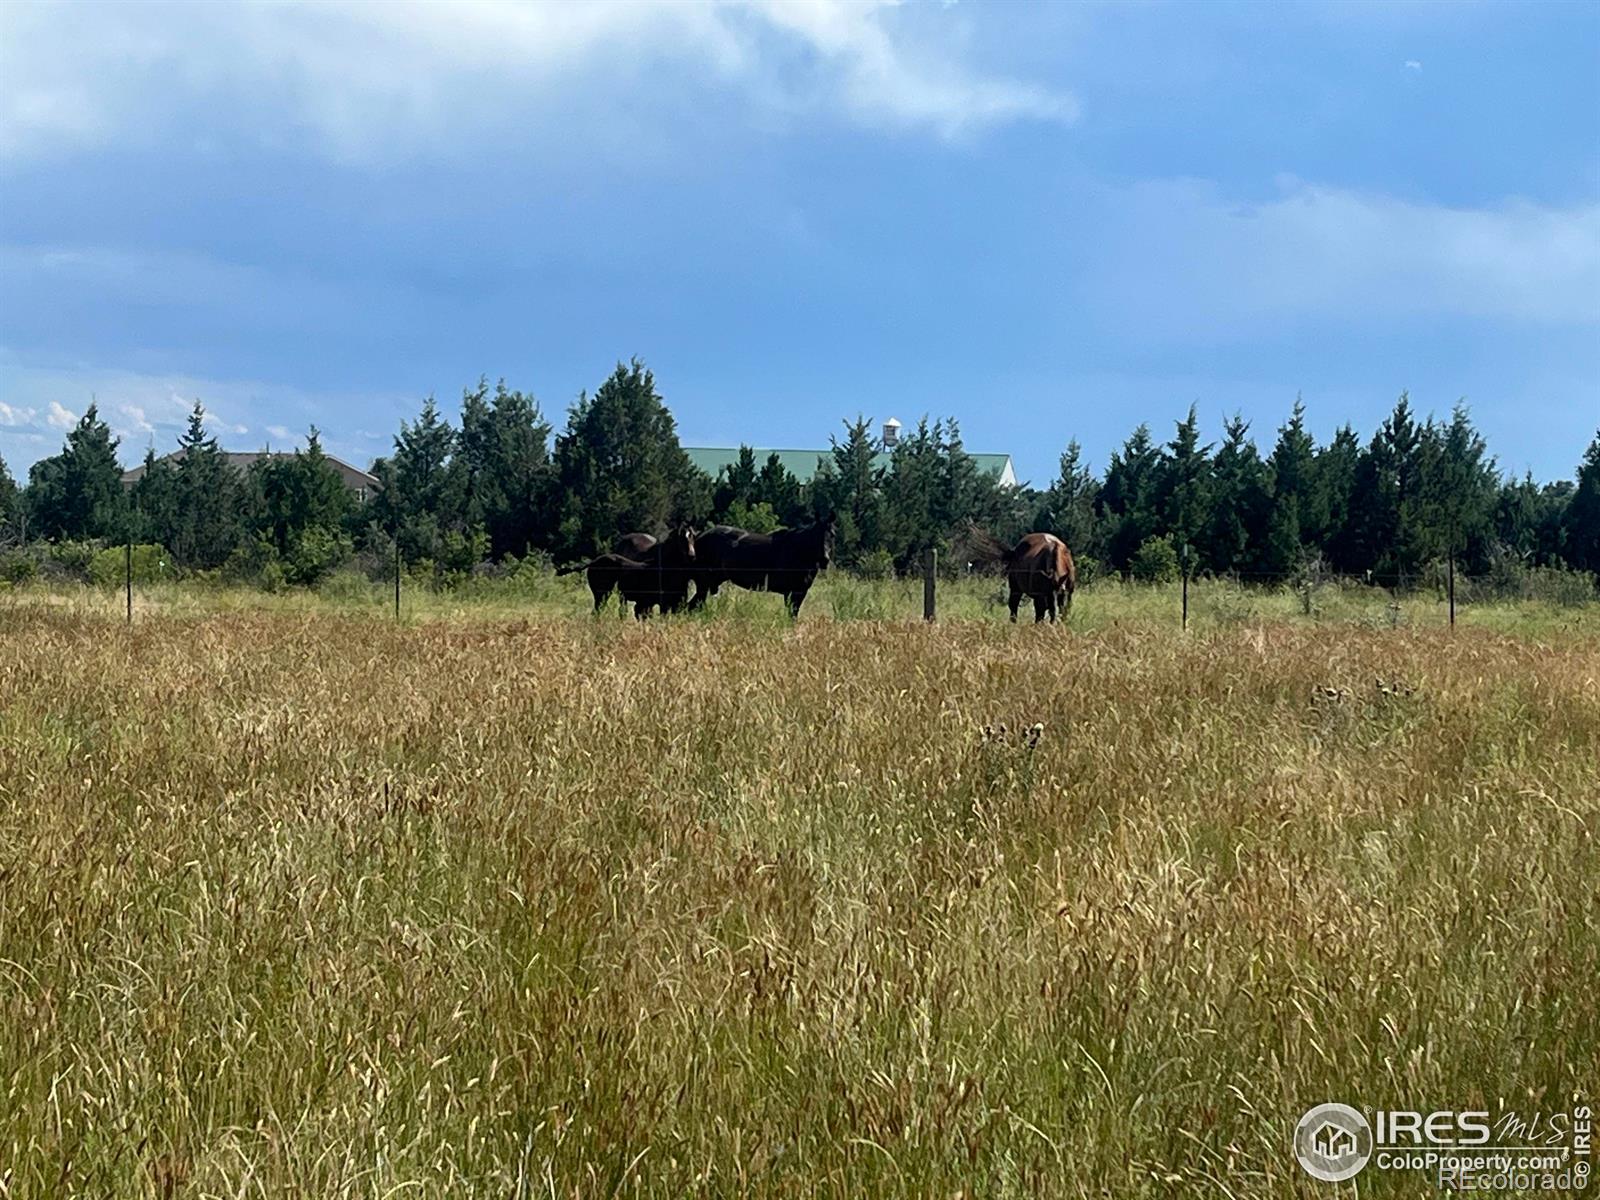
572	568
983	546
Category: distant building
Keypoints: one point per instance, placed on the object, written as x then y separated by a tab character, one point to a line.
361	484
802	464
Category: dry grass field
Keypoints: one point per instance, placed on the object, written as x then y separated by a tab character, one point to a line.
298	901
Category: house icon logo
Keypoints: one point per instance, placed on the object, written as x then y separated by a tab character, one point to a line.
1332	1142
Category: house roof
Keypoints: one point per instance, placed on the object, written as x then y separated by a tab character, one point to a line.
802	464
242	460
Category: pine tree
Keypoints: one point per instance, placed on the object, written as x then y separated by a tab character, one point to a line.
620	467
10	507
303	493
476	483
736	483
1388	531
848	484
964	493
1582	519
1334	478
205	527
1128	498
1238	500
154	498
1184	484
502	464
420	498
779	490
1529	520
78	493
1457	491
913	495
1294	517
1067	507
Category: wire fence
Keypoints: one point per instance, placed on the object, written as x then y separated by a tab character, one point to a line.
1312	591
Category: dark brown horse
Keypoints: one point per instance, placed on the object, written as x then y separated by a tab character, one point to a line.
658	578
1039	566
785	561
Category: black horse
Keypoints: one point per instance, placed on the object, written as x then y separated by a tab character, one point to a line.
785	561
633	545
658	577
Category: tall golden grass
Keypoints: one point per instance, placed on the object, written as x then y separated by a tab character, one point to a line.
302	902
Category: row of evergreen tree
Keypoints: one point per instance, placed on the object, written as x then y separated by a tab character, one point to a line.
501	484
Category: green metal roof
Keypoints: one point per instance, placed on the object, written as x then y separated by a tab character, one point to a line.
802	464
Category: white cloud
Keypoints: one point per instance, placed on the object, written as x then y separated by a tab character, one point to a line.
146	409
134	419
378	80
1182	259
1413	65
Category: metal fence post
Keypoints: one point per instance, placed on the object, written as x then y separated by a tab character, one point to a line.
1183	555
930	575
1452	579
127	575
397	577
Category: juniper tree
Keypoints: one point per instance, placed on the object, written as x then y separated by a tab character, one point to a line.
1238	500
1184	484
619	466
78	493
1582	519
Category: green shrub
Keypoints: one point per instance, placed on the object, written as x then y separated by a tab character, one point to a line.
315	553
248	560
72	559
1563	586
349	586
460	552
108	567
757	518
1509	578
1155	561
875	564
18	567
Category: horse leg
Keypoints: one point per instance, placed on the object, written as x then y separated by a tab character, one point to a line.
1016	599
703	591
794	600
1041	605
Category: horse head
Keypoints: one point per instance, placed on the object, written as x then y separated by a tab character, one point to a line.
679	544
825	530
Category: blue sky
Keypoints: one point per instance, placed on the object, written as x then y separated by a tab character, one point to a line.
1046	221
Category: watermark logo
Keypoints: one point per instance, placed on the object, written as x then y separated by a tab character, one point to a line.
1333	1142
1460	1150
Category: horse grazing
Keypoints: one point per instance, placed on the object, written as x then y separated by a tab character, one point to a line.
658	578
785	561
1039	566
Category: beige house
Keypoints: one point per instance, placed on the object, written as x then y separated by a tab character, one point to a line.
362	485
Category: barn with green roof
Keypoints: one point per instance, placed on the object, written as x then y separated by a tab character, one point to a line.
803	464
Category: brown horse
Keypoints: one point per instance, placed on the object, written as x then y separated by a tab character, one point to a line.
659	577
1039	566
